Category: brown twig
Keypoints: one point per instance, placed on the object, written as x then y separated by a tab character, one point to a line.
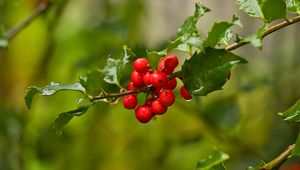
37	11
267	32
279	159
112	95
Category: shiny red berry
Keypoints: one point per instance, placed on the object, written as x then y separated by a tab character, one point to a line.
130	86
158	108
158	79
185	94
171	84
143	113
166	97
137	78
146	78
171	61
162	67
141	65
130	101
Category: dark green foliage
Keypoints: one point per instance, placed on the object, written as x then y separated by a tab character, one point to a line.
207	71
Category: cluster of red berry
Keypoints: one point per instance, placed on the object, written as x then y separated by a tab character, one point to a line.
160	94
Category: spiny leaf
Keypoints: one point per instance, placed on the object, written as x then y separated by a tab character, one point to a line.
114	67
189	25
188	35
51	89
3	40
213	162
267	10
292	114
256	39
220	32
65	117
207	71
92	81
293	6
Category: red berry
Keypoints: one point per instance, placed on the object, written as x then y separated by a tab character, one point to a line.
136	78
148	102
185	94
130	86
158	108
141	65
171	84
166	97
130	101
146	78
158	79
143	113
171	61
162	67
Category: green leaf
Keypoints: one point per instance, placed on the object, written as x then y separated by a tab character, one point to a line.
3	40
293	6
115	67
92	81
31	92
207	71
189	25
213	162
256	39
188	35
251	8
51	89
292	114
226	37
273	9
65	117
220	32
267	10
296	151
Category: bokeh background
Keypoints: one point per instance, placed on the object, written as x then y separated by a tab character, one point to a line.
74	36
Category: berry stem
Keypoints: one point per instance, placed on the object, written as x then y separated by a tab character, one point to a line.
117	95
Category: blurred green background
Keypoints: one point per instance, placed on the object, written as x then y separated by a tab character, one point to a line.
74	36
